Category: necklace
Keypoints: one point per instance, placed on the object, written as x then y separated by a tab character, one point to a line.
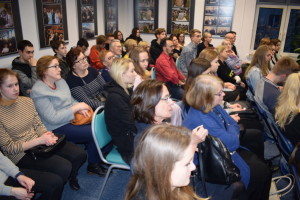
53	88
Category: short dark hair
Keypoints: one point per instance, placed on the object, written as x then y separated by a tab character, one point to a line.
82	42
100	40
56	43
144	99
23	44
163	42
159	31
233	32
72	56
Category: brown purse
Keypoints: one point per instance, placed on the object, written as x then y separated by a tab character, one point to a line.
81	120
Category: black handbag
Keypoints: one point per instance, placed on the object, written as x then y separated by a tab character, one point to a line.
44	151
215	163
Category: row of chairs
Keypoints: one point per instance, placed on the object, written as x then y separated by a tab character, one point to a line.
283	143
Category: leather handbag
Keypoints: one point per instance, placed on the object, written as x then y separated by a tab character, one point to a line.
215	163
44	151
80	119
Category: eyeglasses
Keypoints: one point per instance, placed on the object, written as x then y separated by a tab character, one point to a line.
82	60
220	93
54	66
167	98
110	57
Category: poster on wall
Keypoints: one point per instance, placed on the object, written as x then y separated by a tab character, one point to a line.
180	16
218	15
52	21
146	15
87	18
10	27
111	15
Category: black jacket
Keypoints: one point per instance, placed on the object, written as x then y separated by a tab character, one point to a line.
118	119
155	50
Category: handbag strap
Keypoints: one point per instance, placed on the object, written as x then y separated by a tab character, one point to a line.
201	168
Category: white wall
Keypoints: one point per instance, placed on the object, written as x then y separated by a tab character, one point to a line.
242	24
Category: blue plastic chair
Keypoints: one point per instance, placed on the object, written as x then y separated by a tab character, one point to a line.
102	138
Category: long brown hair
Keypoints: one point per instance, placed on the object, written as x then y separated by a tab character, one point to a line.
158	149
259	60
135	56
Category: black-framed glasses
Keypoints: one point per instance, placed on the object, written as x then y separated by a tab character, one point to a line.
54	66
167	98
82	60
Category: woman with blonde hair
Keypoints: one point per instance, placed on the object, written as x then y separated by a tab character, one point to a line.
117	109
204	97
168	146
129	45
287	112
206	40
259	67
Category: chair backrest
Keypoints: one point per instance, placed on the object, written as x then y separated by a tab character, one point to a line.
100	133
153	73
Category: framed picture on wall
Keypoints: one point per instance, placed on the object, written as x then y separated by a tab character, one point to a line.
52	21
111	15
10	27
218	15
180	16
146	15
87	18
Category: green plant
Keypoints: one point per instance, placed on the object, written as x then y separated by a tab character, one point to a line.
298	58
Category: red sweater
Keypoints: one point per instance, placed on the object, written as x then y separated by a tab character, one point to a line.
94	58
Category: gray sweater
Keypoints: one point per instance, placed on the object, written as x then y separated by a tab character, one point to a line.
53	106
7	168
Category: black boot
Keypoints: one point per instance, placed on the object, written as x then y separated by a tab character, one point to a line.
95	169
73	182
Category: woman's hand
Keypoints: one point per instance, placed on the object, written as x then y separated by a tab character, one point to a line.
198	135
235	117
242	84
85	113
25	181
48	138
21	193
235	107
79	107
229	85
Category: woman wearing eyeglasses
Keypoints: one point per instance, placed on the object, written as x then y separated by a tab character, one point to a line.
56	107
86	84
204	97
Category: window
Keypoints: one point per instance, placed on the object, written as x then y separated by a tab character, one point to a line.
280	22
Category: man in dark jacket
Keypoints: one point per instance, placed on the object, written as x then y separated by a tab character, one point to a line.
156	48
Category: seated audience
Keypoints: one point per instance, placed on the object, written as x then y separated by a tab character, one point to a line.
277	43
22	129
25	66
56	107
108	38
60	50
106	58
181	39
129	45
204	96
287	113
233	61
85	83
267	89
190	51
135	34
177	47
156	47
119	36
231	93
83	45
167	72
116	48
206	40
259	67
231	36
119	122
95	51
168	146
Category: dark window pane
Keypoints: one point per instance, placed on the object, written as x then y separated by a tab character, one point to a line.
268	24
273	1
292	40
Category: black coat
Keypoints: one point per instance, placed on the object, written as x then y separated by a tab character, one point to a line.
118	119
